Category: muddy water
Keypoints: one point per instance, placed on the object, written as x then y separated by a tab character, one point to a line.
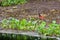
31	9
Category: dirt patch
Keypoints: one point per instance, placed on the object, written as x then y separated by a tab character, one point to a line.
31	9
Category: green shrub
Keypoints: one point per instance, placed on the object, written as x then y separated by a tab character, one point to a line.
12	2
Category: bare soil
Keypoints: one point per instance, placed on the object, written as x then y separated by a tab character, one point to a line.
31	9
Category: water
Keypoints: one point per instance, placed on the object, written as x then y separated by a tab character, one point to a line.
21	37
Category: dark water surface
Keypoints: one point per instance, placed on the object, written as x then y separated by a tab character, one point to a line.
21	37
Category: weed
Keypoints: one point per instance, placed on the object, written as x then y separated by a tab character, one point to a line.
12	2
53	28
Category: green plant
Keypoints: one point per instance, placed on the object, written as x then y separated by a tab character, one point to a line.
13	23
41	27
4	23
23	24
53	29
12	2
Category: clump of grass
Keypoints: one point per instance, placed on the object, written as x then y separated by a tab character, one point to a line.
12	2
53	28
23	24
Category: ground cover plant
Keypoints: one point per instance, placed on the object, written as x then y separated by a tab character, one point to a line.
53	29
12	2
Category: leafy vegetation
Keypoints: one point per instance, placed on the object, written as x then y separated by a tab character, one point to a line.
53	29
12	2
13	23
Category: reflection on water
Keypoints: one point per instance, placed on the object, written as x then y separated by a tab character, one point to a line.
21	37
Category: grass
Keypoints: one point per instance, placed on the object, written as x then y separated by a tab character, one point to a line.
53	28
23	24
12	2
